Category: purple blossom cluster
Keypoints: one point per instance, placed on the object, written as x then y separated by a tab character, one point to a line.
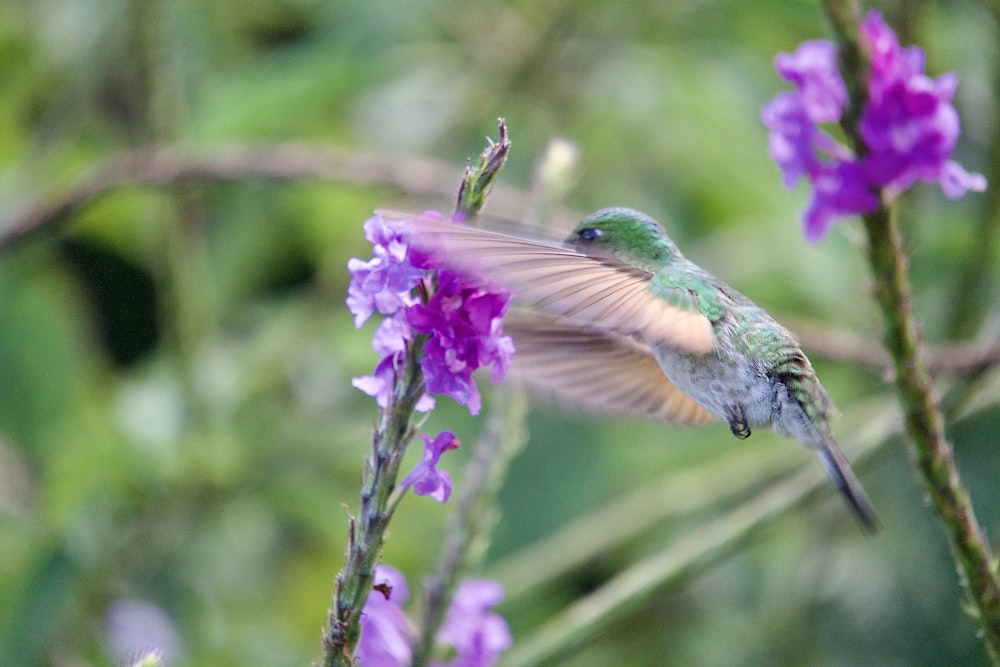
908	125
474	634
418	296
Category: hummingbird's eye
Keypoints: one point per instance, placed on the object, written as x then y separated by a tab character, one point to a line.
590	234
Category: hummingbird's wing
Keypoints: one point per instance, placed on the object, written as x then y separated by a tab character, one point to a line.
595	370
593	292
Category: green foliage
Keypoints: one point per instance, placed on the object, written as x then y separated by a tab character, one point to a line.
177	423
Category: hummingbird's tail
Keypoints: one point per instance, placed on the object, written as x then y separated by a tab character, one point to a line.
839	470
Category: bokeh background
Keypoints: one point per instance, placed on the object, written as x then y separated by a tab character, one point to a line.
180	444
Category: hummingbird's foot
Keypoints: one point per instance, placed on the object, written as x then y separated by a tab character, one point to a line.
738	424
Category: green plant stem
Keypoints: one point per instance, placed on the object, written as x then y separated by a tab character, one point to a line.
391	438
925	425
921	410
367	534
469	528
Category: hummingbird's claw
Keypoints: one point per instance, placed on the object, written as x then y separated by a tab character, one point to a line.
738	421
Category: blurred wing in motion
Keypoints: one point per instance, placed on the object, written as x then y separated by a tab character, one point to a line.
591	292
595	370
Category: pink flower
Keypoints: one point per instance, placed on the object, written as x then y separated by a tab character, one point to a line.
908	125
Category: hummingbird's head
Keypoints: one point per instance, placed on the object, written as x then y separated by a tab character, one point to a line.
626	235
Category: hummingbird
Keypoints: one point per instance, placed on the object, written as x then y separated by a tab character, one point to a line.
617	319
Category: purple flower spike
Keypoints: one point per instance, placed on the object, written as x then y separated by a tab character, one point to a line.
908	125
386	633
463	320
425	478
477	634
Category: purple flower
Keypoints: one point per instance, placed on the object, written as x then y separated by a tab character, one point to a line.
390	341
908	126
477	634
386	633
465	327
813	70
425	478
463	320
383	283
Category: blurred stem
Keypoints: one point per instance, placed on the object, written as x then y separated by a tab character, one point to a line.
676	494
922	414
468	531
171	166
367	534
692	553
190	306
162	102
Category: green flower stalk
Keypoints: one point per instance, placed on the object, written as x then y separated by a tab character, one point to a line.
437	330
902	128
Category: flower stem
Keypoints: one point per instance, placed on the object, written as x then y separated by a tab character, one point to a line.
469	527
925	425
367	534
922	413
468	531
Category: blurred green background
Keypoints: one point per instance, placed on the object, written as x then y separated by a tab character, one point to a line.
180	445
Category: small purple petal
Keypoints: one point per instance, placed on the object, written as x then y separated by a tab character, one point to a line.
839	190
383	283
386	633
477	634
425	478
813	70
791	140
955	180
436	485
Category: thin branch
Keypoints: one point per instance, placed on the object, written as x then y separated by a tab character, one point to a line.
959	358
366	535
411	175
